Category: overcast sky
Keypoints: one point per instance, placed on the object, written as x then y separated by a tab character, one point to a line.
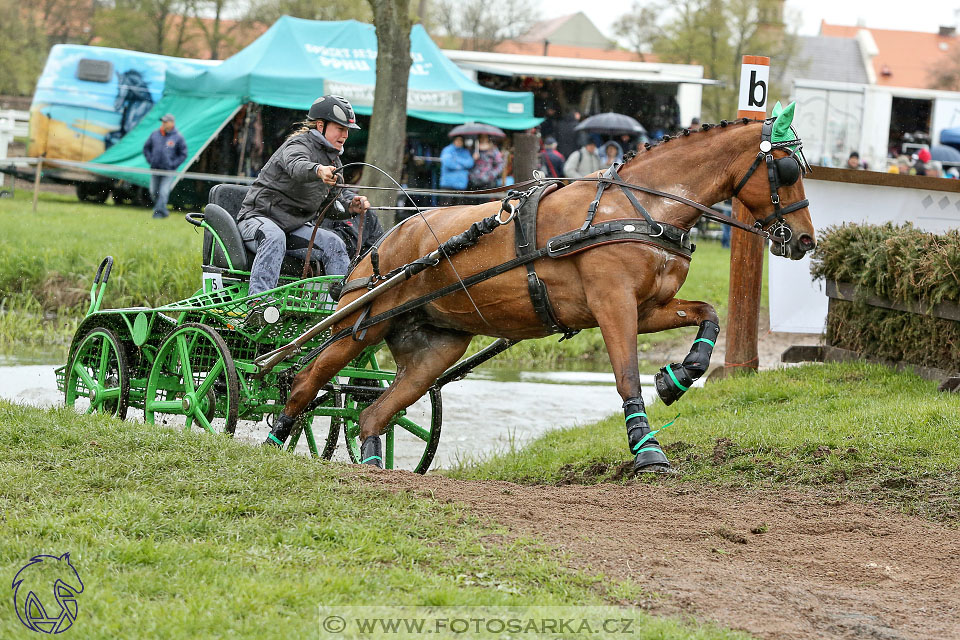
907	15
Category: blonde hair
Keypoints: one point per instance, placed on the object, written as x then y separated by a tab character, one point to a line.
303	126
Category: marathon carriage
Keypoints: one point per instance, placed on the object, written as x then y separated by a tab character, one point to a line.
192	361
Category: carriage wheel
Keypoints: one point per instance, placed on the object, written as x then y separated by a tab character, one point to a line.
412	436
98	379
194	376
333	432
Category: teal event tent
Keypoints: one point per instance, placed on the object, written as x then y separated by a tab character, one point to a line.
293	63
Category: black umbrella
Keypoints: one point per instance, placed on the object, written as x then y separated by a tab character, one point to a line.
612	124
475	129
944	153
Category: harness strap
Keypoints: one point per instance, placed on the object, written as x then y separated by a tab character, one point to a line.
525	240
607	232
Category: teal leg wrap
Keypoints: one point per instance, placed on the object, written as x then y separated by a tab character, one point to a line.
648	456
673	380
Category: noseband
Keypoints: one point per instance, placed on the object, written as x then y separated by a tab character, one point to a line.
781	172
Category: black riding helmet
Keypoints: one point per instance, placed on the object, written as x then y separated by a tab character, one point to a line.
333	109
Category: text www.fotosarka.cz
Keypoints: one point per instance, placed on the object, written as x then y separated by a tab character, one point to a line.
478	621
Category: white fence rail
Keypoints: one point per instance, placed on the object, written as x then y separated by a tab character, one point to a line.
21	121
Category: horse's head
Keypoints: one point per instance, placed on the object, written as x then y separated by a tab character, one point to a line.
769	181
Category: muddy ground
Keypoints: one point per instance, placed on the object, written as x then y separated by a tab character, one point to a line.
784	565
779	565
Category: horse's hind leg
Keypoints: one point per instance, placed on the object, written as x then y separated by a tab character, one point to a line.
422	354
673	380
308	382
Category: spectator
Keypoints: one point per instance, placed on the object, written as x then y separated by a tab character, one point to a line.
582	162
165	149
853	162
921	166
567	135
551	159
487	164
455	164
610	152
628	143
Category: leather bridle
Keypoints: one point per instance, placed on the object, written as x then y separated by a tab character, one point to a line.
781	172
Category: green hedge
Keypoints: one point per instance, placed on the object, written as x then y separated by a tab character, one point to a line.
902	264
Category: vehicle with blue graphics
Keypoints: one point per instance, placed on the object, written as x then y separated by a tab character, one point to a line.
87	99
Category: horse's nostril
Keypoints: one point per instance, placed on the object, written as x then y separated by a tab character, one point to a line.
806	242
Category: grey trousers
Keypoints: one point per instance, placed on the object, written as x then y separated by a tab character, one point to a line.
271	244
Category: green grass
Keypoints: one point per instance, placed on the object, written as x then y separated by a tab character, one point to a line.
48	261
180	535
858	431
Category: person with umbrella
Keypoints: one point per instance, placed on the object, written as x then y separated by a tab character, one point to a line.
487	164
455	164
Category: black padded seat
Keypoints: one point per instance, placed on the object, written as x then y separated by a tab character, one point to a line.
221	214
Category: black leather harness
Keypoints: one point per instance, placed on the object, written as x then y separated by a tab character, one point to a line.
644	230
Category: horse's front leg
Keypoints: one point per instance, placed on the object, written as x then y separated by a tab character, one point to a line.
617	317
673	380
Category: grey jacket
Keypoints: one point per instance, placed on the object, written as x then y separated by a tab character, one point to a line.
288	190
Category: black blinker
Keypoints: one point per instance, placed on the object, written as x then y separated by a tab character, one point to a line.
788	171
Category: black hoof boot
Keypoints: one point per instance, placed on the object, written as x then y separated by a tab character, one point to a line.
281	431
671	387
651	459
371	452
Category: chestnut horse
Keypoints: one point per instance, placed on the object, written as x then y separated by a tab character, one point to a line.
625	288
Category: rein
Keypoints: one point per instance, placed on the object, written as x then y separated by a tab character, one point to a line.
711	214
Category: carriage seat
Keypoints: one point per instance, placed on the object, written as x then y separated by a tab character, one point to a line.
221	214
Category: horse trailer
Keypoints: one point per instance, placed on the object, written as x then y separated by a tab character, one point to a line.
87	99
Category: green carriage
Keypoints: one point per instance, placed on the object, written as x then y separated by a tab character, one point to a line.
192	361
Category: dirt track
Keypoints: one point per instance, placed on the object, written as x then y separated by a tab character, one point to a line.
820	570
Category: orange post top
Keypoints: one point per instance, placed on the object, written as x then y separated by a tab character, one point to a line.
757	60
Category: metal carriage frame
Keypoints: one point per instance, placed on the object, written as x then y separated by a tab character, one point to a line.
194	359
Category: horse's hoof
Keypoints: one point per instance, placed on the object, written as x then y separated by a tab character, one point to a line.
280	432
651	460
371	452
667	389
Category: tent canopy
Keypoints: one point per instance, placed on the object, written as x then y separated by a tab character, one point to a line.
297	60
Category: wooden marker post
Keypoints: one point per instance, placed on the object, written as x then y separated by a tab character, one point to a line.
746	249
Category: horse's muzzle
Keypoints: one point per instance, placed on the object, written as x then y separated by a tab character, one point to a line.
795	247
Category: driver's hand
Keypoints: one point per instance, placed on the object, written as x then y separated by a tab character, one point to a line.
327	174
359	204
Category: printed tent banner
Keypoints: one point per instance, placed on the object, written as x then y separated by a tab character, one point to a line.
297	60
294	62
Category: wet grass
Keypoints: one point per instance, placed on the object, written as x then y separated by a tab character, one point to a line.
48	261
181	535
858	432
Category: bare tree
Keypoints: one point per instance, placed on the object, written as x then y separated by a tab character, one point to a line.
639	28
269	11
483	24
389	122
